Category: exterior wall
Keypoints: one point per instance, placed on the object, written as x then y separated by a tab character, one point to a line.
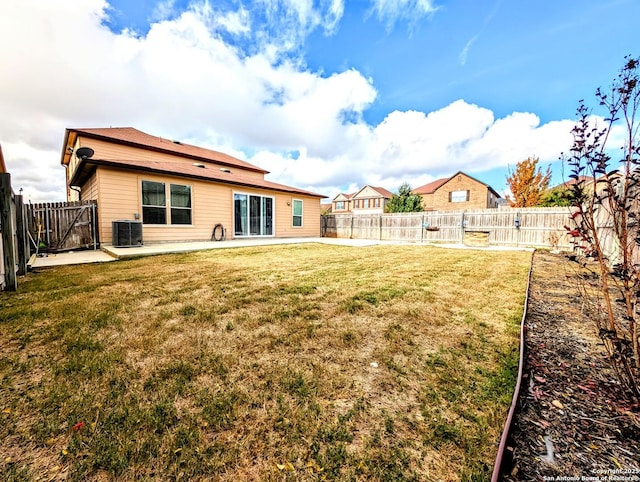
478	197
90	191
284	216
427	202
111	150
120	198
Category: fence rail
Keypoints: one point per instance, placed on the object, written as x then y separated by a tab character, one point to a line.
537	227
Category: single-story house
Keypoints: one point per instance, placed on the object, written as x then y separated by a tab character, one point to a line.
457	192
180	192
368	200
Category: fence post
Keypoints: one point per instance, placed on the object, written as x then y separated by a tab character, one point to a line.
47	223
351	233
462	227
6	223
380	228
22	238
422	230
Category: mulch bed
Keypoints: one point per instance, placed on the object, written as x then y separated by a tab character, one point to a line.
573	421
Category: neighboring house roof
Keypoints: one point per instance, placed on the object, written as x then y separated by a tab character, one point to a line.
385	192
571	182
207	173
380	190
326	207
345	196
3	166
133	137
433	186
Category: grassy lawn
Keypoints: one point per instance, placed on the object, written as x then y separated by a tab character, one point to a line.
307	362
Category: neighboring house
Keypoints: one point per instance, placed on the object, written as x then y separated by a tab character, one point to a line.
178	191
368	200
325	208
341	204
457	192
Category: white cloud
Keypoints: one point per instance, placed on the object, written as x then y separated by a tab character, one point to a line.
182	80
465	51
391	11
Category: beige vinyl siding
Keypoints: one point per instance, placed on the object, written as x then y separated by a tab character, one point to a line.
212	203
284	216
73	161
90	189
118	199
110	150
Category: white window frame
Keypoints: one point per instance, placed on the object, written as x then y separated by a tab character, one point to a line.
460	196
262	226
294	215
167	203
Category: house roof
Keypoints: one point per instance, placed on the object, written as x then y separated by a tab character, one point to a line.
207	173
3	166
433	186
571	182
346	196
385	193
129	136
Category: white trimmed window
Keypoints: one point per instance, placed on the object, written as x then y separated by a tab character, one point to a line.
458	196
158	198
297	212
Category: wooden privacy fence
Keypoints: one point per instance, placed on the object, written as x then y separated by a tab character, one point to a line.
63	226
14	246
538	227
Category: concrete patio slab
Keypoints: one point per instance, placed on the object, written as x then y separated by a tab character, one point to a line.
70	257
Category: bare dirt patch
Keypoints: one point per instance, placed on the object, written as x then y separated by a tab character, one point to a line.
573	419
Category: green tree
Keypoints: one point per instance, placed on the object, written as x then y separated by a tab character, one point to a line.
558	196
527	184
405	201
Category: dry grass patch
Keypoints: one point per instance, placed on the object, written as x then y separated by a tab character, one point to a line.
282	362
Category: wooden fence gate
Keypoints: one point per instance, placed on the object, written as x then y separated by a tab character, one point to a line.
63	226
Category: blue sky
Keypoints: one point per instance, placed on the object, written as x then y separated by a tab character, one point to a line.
327	95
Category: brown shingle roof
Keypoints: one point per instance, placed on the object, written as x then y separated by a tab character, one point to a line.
385	192
133	137
431	187
181	169
571	182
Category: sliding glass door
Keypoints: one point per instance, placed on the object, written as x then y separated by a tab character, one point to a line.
253	215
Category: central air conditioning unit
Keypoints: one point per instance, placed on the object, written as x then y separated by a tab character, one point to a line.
126	234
